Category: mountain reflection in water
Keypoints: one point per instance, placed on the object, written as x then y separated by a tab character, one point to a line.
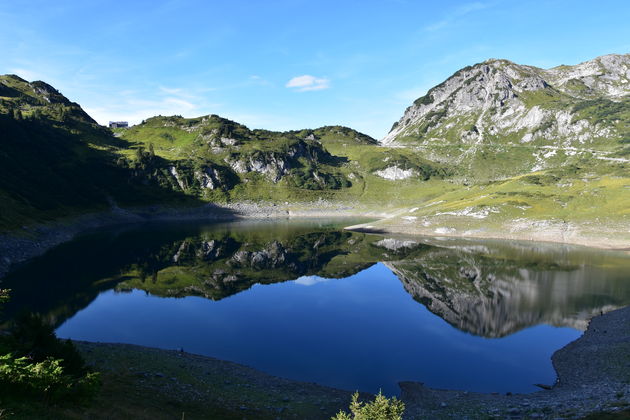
485	288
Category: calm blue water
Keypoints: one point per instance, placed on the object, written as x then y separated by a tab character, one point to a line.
362	332
471	315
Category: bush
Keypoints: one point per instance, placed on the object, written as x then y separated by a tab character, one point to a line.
33	338
381	408
46	380
35	364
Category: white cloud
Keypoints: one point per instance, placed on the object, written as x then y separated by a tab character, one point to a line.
127	106
307	82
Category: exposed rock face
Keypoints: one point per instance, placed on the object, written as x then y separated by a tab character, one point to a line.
273	164
210	178
395	173
498	102
180	181
608	75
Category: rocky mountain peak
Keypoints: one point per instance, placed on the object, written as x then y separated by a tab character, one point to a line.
493	83
504	105
608	75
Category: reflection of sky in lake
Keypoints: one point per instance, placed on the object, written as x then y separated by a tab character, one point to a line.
361	332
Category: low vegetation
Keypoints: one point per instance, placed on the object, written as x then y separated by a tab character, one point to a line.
382	408
39	370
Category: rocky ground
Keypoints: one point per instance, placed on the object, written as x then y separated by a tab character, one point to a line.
595	235
593	377
197	386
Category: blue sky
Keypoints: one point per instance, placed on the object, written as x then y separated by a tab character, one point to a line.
287	64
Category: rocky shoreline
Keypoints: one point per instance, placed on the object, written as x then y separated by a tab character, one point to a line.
30	241
593	377
593	371
602	236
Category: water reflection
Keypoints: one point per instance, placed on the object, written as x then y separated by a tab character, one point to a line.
494	289
359	313
487	288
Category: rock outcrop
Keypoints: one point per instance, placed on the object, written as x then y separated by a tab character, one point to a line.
547	116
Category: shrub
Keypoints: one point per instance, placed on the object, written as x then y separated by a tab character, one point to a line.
46	380
381	408
35	364
33	338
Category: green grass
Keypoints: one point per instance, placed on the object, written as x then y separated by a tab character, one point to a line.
57	163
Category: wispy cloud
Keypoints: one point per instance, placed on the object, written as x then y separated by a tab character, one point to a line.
258	81
307	82
134	106
27	74
456	14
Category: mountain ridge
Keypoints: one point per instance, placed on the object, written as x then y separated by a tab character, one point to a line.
524	105
495	149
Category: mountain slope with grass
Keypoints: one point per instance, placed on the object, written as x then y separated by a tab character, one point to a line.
497	118
57	163
532	153
497	150
220	160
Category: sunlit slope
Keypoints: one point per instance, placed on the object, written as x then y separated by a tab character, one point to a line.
529	150
220	160
498	119
497	149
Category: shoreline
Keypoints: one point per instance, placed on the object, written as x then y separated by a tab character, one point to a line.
17	247
592	372
551	237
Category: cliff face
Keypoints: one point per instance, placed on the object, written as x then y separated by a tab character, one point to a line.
545	116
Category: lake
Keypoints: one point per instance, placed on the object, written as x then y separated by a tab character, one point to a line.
308	301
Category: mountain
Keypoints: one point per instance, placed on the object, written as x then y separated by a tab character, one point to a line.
218	159
496	150
57	162
528	118
531	153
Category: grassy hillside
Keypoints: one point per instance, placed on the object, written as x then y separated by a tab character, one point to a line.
333	163
55	161
497	147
